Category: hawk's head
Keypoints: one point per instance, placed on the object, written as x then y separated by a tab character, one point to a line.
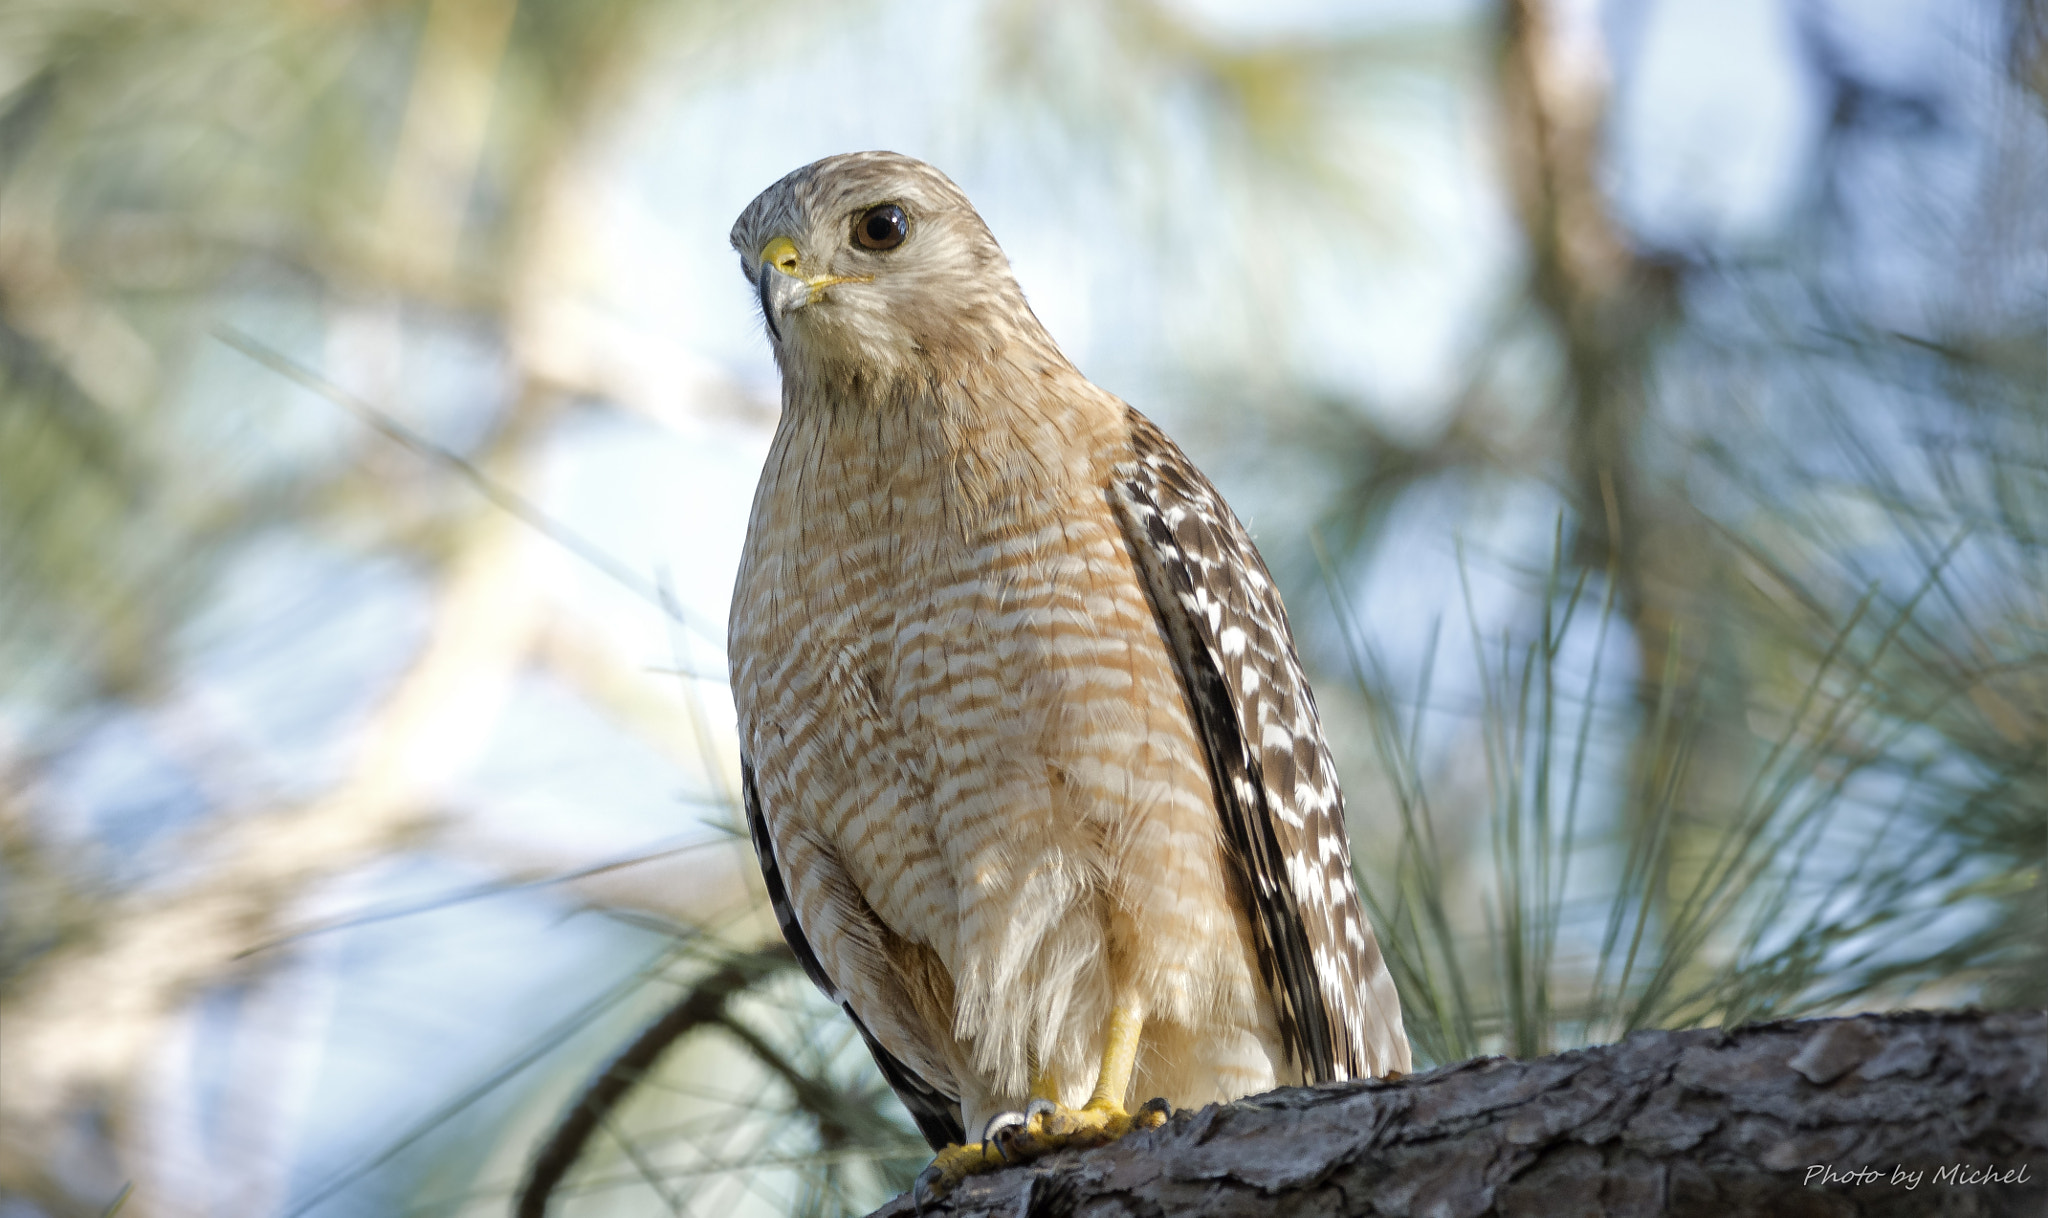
876	261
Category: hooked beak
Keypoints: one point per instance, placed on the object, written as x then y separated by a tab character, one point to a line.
783	287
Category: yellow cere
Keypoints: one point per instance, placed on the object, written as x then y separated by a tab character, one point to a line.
781	254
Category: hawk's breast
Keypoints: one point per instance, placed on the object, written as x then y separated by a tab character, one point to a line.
964	704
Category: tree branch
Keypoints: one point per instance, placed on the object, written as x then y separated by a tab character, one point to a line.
703	1006
1707	1122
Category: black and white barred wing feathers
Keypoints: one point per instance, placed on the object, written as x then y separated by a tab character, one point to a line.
1275	785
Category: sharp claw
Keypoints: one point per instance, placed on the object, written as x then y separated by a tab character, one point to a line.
1001	1128
1039	1107
1155	1105
920	1191
1002	1121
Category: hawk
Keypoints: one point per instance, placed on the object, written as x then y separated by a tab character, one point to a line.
1036	781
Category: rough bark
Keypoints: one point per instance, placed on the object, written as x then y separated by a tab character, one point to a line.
1706	1122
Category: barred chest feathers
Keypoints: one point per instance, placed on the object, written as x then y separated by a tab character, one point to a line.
956	696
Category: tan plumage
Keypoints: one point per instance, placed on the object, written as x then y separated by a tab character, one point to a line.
1026	740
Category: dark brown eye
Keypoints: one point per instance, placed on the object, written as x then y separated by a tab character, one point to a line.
881	228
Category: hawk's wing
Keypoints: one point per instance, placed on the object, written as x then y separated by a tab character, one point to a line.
936	1113
1275	785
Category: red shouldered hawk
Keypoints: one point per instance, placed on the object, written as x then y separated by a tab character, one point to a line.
1036	781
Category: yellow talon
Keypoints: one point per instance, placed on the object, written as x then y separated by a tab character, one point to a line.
952	1165
1049	1125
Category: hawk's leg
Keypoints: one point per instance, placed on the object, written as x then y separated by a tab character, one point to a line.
1046	1126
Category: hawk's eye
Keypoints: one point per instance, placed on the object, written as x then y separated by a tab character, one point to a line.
881	228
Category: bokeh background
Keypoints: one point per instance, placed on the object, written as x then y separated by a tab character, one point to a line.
1644	405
